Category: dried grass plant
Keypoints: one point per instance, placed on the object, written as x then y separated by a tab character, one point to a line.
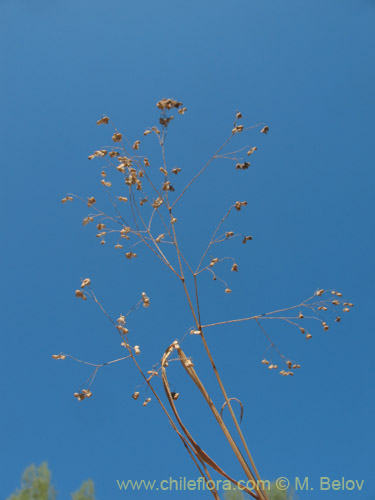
147	204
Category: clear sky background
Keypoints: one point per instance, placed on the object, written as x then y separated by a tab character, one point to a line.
304	68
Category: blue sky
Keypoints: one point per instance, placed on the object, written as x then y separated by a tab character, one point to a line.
305	69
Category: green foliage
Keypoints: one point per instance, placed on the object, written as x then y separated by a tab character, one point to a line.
234	495
36	485
86	491
273	494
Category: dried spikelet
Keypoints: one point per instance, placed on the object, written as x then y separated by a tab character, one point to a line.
100	226
103	173
237	129
113	154
80	295
160	237
103	121
125	344
301	316
302	330
319	292
265	130
91	157
251	151
235	268
125	230
106	183
275	367
135	395
228	290
335	302
182	111
86	220
239	204
117	137
143	201
238	116
130	255
158	202
296	366
173	220
147	132
167	186
289	363
122	329
118	245
156	130
136	145
163	171
121	168
175	395
102	242
265	362
87	393
247	238
137	350
168	104
121	320
58	356
270	367
338	319
176	170
243	166
122	198
349	304
339	294
127	161
214	261
308	336
67	198
165	121
290	373
322	308
229	234
79	396
145	403
346	309
146	162
91	201
195	332
145	300
85	282
283	372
